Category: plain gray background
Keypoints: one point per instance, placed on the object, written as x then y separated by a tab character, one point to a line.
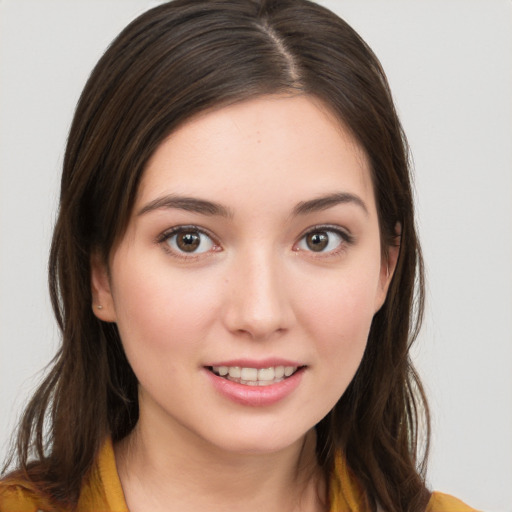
449	63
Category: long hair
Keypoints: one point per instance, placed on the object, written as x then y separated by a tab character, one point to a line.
171	63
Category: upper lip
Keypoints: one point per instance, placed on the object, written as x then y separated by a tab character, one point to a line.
261	363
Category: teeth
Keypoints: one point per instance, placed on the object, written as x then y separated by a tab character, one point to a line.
255	376
249	382
279	372
266	374
234	371
288	370
249	374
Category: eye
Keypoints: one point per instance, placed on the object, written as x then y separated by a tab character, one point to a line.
322	240
188	240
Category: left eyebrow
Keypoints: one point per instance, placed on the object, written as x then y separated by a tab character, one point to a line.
328	201
189	204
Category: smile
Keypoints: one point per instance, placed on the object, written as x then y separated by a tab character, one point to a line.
254	376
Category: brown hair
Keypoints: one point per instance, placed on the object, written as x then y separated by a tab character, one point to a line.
172	62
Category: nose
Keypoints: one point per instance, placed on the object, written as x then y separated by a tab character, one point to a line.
257	304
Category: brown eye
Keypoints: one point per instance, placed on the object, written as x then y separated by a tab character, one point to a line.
323	240
189	241
317	241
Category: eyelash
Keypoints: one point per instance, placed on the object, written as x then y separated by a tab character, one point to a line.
346	240
163	239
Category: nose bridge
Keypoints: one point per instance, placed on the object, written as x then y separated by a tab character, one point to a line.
258	304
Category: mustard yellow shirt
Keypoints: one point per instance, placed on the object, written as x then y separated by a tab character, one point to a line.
102	492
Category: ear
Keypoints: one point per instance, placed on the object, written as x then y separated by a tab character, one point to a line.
388	266
103	302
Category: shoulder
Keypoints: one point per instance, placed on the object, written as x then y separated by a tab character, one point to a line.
101	490
440	502
347	494
17	496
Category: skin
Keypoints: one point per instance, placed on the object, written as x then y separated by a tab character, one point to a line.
253	289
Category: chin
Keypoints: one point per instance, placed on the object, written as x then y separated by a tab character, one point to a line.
257	439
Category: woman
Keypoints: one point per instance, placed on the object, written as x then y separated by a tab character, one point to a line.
233	270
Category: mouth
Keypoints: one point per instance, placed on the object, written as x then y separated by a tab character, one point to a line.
255	376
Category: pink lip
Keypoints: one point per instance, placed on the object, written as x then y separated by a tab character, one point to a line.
250	363
255	396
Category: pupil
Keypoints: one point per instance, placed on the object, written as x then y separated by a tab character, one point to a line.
188	242
317	241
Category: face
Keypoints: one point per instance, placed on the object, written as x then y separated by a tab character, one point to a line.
248	276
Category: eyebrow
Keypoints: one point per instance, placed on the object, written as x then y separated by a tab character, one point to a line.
189	204
211	208
328	201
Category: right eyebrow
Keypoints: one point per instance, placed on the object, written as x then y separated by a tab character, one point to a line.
328	201
189	204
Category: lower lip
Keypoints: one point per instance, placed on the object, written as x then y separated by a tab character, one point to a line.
255	396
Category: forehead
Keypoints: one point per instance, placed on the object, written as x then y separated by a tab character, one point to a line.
289	147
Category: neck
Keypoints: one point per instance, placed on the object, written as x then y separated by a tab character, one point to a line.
173	472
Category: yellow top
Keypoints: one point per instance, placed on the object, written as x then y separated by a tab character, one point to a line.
102	492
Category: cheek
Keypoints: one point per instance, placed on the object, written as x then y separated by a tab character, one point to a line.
339	320
160	312
341	329
339	306
162	321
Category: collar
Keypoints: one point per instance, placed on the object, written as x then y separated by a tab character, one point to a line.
103	491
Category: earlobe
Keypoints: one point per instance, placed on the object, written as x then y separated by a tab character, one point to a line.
388	267
103	304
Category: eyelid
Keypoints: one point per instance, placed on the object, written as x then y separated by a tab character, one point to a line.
167	234
348	238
